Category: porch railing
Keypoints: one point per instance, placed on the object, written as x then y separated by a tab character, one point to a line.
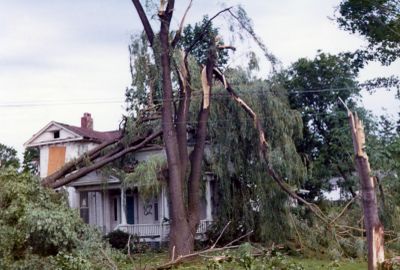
157	230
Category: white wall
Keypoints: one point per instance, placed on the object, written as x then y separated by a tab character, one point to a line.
72	151
44	160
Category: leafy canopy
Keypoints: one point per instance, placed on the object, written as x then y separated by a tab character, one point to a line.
314	86
376	20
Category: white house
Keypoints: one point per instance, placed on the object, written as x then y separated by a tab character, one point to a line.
101	200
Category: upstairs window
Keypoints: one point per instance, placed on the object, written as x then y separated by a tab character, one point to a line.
56	134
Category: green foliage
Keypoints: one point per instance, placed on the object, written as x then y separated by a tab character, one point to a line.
314	86
145	73
147	177
245	258
31	160
40	231
247	195
384	155
206	35
8	157
379	22
117	239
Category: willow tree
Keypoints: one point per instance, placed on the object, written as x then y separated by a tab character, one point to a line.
247	196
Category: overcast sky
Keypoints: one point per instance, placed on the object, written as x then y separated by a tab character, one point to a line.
61	58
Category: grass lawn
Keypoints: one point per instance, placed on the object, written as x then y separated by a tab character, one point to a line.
337	265
146	261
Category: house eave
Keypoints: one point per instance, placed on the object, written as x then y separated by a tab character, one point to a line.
36	135
53	142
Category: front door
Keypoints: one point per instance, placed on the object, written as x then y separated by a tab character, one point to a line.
130	219
115	211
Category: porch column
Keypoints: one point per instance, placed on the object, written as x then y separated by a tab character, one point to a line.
123	206
208	200
165	204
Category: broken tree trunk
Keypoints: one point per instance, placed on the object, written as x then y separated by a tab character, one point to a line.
373	226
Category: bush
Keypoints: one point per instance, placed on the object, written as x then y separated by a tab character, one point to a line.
118	239
40	231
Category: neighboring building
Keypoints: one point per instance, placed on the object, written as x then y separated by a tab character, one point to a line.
101	200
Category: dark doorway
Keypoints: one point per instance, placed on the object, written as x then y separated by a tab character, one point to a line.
130	218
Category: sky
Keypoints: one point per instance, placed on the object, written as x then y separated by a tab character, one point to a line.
59	59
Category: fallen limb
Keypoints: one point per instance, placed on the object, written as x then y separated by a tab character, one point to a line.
220	235
84	171
72	165
344	209
180	259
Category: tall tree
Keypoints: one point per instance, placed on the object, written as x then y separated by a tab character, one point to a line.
176	84
8	157
182	168
31	160
314	86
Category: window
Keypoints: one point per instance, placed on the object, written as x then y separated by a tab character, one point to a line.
156	211
56	134
84	207
115	209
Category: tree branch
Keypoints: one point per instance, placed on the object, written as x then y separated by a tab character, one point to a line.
84	171
145	21
71	165
179	32
203	32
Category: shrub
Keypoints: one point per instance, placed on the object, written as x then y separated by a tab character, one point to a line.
118	239
40	231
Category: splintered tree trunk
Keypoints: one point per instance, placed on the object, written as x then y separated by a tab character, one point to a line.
373	226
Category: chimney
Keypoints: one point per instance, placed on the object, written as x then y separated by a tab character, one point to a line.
87	121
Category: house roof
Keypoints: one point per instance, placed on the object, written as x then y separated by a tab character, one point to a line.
76	134
88	134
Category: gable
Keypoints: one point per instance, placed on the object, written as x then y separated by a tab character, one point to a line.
52	133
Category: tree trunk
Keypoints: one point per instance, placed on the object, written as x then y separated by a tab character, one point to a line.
373	226
196	156
181	238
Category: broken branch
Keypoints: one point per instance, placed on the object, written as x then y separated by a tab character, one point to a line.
179	32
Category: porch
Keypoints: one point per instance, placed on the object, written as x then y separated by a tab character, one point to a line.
159	231
112	207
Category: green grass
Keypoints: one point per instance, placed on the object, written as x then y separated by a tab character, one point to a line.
325	264
238	261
